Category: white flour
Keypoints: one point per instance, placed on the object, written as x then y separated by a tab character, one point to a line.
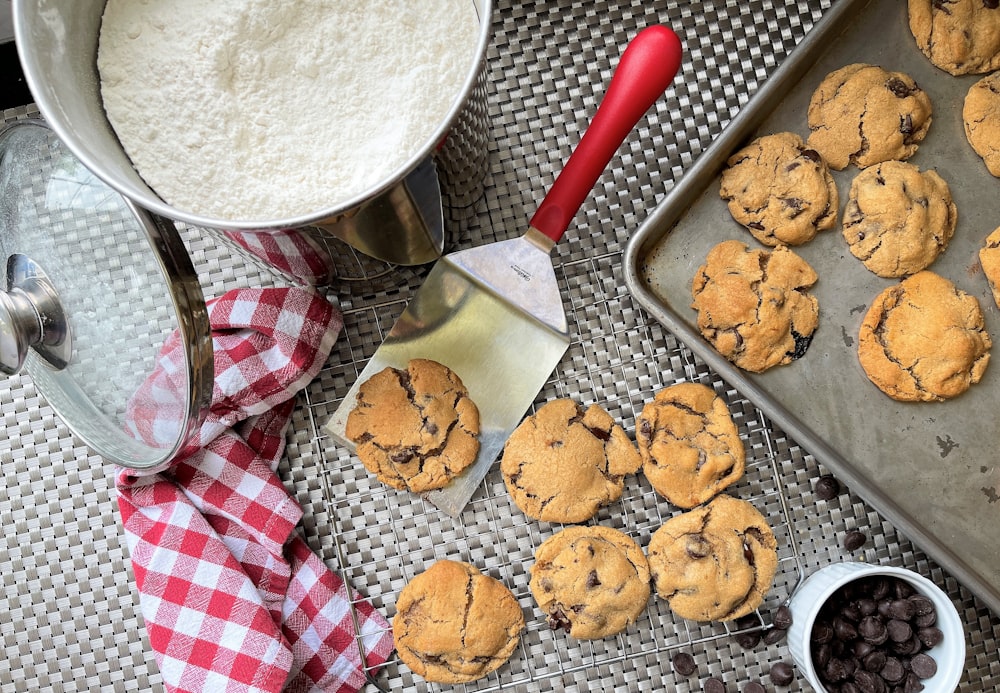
272	109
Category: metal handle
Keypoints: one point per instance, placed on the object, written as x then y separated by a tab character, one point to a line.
645	70
31	316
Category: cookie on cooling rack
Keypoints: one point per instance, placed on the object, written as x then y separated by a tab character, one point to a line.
981	119
754	306
562	464
690	448
590	581
898	218
714	563
924	340
780	190
959	36
864	114
415	429
454	624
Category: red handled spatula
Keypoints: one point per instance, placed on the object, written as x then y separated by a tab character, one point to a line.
494	314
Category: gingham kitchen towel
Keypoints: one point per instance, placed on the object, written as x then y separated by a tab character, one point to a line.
232	597
288	250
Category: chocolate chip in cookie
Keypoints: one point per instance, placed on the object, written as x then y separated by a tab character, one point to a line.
454	624
564	463
415	429
864	114
780	190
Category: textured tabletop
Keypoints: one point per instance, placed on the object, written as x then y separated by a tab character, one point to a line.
71	618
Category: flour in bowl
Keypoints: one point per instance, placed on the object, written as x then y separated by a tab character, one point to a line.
266	110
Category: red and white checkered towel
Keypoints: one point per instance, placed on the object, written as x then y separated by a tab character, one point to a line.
232	596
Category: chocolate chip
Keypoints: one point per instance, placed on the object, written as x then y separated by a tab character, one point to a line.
867	682
899	88
874	660
899	631
774	635
781	674
872	629
557	620
697	547
901	609
854	540
754	687
592	579
923	665
783	617
893	670
930	637
811	154
749	639
713	685
827	487
684	664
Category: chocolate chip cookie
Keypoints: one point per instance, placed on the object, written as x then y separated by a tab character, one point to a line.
981	117
689	444
780	190
714	563
591	581
924	340
562	464
754	306
864	114
454	625
961	37
898	218
415	429
989	258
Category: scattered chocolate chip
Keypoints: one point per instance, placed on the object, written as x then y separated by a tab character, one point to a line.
749	639
773	635
827	487
783	617
854	540
754	687
713	685
781	674
684	664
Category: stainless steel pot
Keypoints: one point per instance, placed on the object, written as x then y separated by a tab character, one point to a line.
399	220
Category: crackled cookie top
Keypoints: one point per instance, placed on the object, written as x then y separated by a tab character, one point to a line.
689	444
898	218
453	624
591	581
989	258
754	306
714	563
415	429
981	117
959	36
780	190
562	464
864	114
924	340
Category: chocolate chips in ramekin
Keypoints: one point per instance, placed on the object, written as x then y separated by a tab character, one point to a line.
872	636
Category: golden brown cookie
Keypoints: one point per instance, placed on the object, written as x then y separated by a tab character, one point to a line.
780	190
415	429
453	624
562	464
898	218
689	444
591	581
714	563
981	117
961	37
924	340
754	306
989	258
864	114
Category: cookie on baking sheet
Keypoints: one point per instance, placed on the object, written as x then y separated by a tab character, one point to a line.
591	581
714	563
981	118
780	190
864	114
754	306
989	258
415	429
961	37
924	340
898	219
454	624
689	444
562	464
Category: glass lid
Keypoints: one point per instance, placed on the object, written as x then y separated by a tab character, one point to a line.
100	304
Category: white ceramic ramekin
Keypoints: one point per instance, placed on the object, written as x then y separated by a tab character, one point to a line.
810	596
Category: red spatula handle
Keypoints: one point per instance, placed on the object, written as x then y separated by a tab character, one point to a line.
645	70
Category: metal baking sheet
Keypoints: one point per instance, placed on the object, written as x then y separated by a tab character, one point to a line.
930	468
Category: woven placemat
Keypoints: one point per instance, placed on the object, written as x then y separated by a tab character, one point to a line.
72	620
